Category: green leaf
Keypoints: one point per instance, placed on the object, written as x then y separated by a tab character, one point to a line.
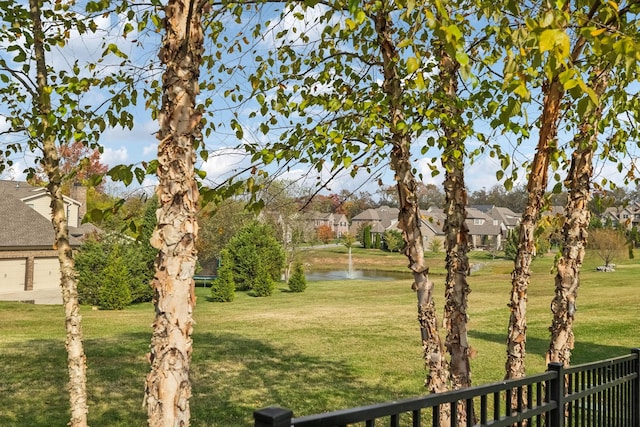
462	58
420	84
404	43
555	39
454	32
508	184
121	173
567	79
522	91
140	174
412	65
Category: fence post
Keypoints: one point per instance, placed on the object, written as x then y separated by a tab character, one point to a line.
635	390
272	417
557	394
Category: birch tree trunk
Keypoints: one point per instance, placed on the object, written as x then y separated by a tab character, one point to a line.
574	231
553	93
409	216
76	359
456	231
168	386
537	184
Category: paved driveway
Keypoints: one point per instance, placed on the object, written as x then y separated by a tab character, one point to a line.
48	296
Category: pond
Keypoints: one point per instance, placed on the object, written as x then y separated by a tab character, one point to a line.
314	276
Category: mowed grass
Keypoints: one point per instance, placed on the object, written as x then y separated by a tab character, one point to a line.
337	345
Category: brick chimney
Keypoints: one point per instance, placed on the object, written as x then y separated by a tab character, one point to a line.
79	194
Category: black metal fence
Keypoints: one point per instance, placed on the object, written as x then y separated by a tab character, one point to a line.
605	393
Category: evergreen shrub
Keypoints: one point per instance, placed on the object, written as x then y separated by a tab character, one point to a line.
263	284
114	292
223	288
297	281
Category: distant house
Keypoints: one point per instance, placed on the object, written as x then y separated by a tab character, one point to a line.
340	225
628	216
367	217
338	222
507	219
28	261
485	231
431	227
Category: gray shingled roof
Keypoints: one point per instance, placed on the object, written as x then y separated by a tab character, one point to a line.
506	215
19	189
387	215
367	215
24	228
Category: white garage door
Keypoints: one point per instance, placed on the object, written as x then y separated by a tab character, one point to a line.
46	273
12	274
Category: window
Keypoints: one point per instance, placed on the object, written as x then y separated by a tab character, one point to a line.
478	221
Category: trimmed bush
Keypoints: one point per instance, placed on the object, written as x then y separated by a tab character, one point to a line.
114	294
119	258
393	241
223	288
263	285
254	245
366	237
297	281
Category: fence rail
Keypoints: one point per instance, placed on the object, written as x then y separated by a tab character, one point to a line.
604	393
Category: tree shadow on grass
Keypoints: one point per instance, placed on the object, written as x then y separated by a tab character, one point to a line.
32	388
231	377
584	352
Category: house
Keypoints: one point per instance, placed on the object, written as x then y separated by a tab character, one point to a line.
431	227
28	261
507	219
367	217
485	231
338	223
628	215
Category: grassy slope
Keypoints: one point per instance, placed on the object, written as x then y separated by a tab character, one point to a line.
338	344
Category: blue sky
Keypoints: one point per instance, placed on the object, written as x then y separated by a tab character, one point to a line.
124	146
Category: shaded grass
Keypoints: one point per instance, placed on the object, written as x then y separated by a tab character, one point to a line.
338	344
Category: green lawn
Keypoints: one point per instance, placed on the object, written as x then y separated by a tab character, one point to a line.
338	344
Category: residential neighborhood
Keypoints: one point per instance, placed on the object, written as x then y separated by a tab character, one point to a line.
29	264
28	261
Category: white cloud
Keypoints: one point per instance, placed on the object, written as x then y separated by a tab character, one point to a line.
294	27
114	157
224	162
15	172
151	149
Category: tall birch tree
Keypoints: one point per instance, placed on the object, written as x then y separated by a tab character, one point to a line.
615	36
46	108
168	386
554	52
76	359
